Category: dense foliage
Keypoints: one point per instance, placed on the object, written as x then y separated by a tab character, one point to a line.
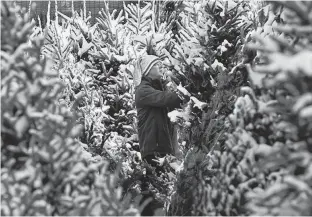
44	168
69	134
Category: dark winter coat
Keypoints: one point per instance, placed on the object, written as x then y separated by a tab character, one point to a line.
154	127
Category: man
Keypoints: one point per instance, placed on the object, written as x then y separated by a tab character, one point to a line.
153	104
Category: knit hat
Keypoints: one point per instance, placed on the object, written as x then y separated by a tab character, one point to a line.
142	67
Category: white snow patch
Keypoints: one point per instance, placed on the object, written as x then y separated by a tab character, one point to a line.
176	165
174	115
183	90
303	100
295	64
218	66
198	104
224	46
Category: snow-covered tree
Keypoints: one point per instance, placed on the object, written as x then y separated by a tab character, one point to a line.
286	63
44	168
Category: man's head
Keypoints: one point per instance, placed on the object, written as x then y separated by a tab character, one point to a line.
147	66
151	67
156	71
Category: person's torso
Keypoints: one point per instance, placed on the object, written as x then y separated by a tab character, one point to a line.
154	128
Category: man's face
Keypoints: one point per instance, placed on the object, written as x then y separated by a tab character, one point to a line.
156	71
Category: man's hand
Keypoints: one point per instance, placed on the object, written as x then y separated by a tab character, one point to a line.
171	86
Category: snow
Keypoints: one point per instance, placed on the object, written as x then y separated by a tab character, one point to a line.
231	4
198	104
224	46
263	150
174	115
160	160
300	185
217	66
294	64
138	154
213	28
177	166
302	101
306	112
78	167
177	115
284	63
183	90
255	77
39	203
128	145
198	61
85	154
29	172
132	112
187	124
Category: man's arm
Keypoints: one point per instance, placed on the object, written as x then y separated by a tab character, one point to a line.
148	96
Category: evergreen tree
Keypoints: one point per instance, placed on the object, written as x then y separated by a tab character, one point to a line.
44	168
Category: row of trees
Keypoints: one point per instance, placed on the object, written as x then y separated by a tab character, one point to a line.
68	133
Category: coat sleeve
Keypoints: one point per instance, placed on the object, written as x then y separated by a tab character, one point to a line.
148	96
